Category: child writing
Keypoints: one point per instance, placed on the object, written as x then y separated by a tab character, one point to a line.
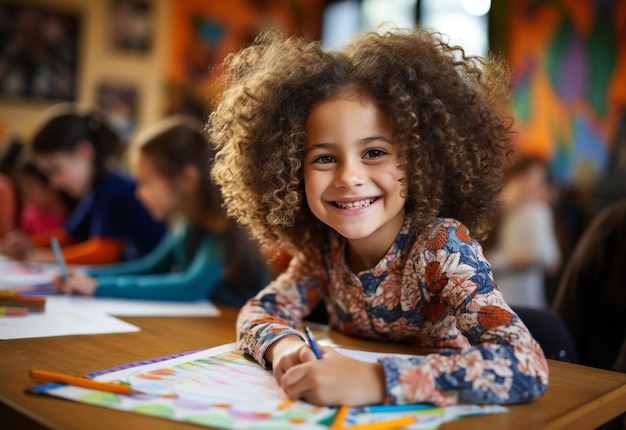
75	150
204	255
373	165
43	207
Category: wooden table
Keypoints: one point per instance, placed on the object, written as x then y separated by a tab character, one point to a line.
577	397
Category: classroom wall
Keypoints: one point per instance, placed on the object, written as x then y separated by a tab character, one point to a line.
188	39
99	63
569	82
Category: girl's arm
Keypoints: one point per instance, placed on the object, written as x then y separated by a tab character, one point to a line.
203	275
279	307
159	260
504	364
96	250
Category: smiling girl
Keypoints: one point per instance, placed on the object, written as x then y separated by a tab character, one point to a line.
373	165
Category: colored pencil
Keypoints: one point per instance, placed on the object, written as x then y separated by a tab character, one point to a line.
312	343
54	243
24	300
13	312
396	408
340	418
79	381
33	304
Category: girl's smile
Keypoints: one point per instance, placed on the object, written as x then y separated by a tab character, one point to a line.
353	205
351	175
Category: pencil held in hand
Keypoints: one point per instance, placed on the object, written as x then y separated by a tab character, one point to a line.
312	342
56	248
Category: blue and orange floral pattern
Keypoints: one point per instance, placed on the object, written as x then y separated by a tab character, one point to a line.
432	289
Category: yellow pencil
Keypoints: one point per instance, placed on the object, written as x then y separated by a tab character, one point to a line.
79	381
340	418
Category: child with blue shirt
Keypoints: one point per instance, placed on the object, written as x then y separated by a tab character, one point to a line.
204	255
77	151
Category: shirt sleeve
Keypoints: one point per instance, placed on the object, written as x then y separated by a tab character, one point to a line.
94	251
503	365
159	260
281	306
203	275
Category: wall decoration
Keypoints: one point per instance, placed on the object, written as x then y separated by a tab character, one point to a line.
204	32
131	26
38	52
120	103
569	64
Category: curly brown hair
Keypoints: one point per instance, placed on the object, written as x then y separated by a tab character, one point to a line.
449	113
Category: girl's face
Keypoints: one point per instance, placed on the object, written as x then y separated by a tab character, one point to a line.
351	175
69	171
160	195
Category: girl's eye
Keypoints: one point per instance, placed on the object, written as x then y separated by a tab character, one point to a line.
374	153
324	159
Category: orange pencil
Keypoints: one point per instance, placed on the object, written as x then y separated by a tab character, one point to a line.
342	413
79	381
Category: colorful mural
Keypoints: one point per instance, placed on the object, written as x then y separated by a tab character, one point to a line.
569	82
204	32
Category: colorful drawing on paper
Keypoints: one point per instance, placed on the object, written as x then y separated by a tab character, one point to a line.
221	388
217	388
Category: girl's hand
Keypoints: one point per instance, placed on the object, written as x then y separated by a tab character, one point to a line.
81	285
334	380
286	353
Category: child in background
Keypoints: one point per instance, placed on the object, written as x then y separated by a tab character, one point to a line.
526	248
8	205
76	151
9	197
43	207
205	255
373	165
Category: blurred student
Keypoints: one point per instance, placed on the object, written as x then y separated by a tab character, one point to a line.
591	297
525	246
8	203
76	151
205	254
9	198
43	207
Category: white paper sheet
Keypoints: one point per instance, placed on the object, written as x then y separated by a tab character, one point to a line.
62	319
15	274
130	307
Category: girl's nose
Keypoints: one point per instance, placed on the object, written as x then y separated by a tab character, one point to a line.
349	174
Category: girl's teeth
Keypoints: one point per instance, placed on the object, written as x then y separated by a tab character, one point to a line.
355	205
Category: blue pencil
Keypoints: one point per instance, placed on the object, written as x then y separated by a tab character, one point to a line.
312	343
396	408
54	243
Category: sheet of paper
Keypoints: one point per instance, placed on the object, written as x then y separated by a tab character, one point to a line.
14	274
220	388
62	319
131	307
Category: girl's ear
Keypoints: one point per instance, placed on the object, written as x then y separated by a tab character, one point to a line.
85	149
189	178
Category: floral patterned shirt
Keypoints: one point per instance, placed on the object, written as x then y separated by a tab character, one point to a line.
432	289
